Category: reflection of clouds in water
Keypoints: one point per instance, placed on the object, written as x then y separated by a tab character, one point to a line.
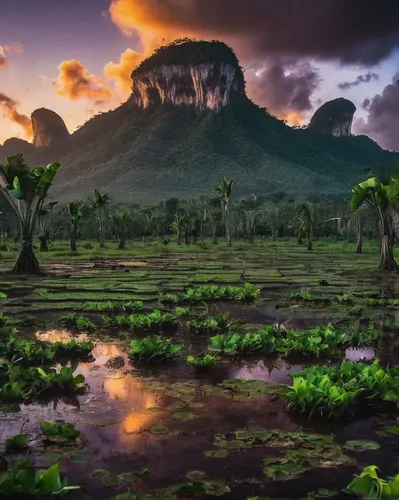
353	354
279	373
131	390
61	336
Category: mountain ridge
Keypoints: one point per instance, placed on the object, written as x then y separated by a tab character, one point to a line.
185	140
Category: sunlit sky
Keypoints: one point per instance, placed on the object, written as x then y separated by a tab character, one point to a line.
37	36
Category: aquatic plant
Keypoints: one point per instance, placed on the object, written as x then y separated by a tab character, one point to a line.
326	339
369	486
76	322
154	320
59	431
330	392
23	481
210	293
308	296
29	352
205	361
209	324
17	442
154	348
127	305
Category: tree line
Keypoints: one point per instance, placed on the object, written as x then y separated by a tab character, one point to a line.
29	212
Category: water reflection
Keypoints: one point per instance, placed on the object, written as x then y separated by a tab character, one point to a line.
63	336
362	354
276	371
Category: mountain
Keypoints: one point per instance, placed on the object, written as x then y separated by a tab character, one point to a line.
334	117
189	123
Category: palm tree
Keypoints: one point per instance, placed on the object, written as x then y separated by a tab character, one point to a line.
26	189
304	222
383	199
224	191
100	201
75	214
122	219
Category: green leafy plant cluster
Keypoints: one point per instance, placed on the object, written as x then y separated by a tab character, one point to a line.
28	352
121	306
154	348
59	431
210	293
18	383
205	361
76	322
209	324
22	481
154	320
326	339
331	392
369	486
308	296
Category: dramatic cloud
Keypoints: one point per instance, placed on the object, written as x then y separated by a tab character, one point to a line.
121	71
9	109
75	82
284	87
382	122
366	78
4	61
356	31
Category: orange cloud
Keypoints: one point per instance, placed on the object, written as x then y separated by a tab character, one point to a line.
153	23
4	61
121	71
75	82
293	118
9	109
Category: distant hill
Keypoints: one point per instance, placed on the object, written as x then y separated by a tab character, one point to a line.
188	124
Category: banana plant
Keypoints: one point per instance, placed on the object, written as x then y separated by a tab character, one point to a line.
383	199
26	189
121	220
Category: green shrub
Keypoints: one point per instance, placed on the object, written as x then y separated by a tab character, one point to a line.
22	481
201	361
127	305
76	322
211	293
209	324
330	392
17	442
370	486
59	431
151	321
155	348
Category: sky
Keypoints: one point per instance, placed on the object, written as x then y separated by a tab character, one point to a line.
76	56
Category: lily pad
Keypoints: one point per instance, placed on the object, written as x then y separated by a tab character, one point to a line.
79	458
222	453
159	429
184	415
393	430
361	445
195	475
50	456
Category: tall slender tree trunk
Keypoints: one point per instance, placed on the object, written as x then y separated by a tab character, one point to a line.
228	223
359	245
121	245
178	232
214	235
26	262
73	232
43	243
102	240
310	239
300	238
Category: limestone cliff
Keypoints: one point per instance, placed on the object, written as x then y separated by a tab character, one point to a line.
199	74
49	129
334	117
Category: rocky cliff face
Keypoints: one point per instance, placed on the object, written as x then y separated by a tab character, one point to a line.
204	77
334	118
49	128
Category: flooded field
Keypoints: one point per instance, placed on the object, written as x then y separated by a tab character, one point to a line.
171	430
